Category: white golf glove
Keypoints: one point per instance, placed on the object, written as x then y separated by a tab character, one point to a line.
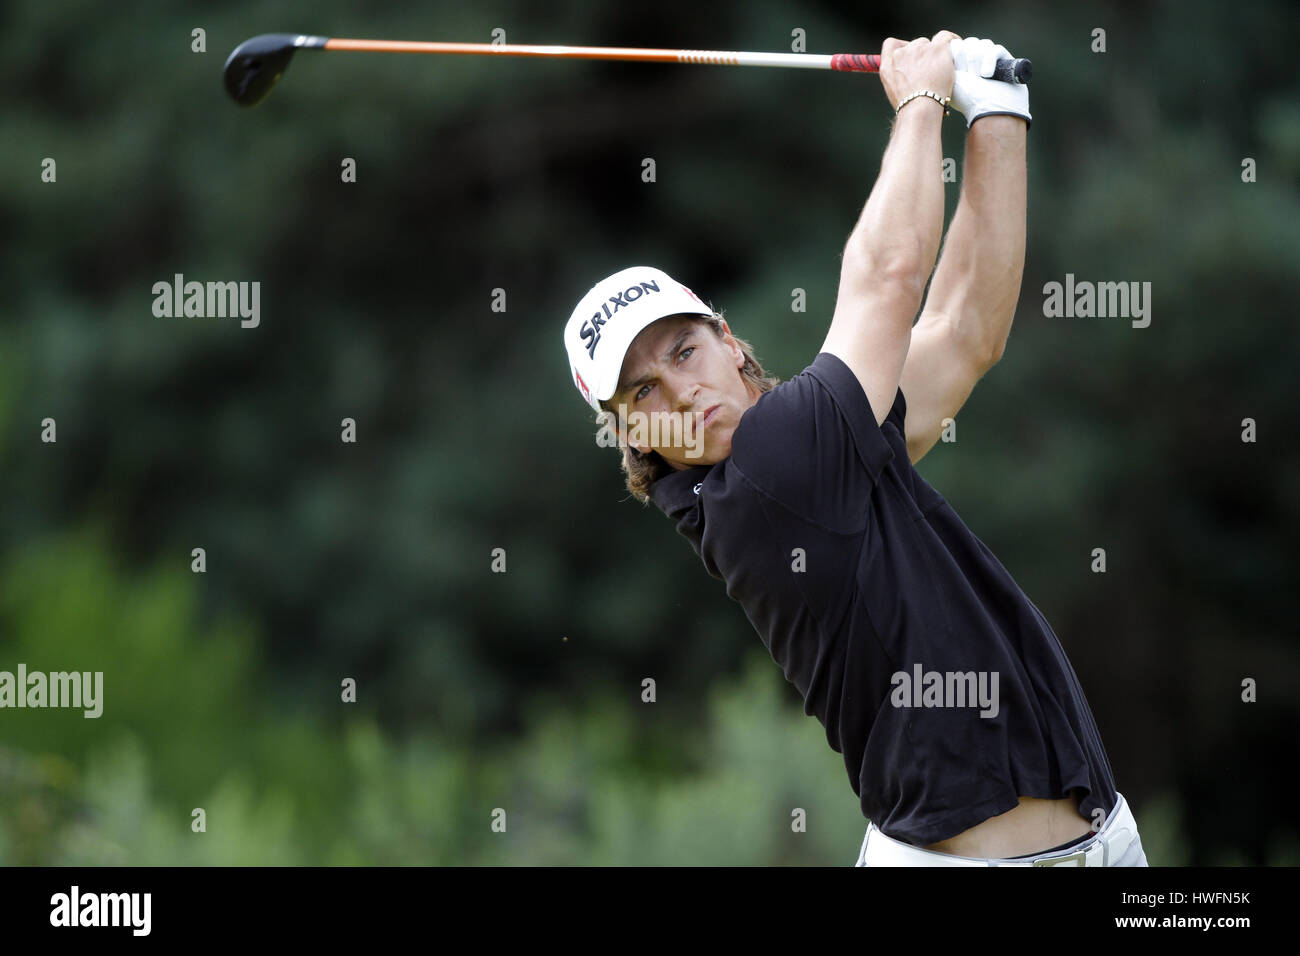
973	94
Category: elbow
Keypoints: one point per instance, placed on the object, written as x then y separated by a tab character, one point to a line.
993	354
981	337
904	271
908	275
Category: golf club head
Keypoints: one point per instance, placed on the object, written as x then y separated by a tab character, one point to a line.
255	65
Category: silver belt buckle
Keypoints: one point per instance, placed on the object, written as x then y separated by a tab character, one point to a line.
1080	855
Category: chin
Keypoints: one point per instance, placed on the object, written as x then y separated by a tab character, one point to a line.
706	458
712	455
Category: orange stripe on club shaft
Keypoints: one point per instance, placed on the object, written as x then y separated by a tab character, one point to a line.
489	49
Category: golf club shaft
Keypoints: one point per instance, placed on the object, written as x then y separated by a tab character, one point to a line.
1007	70
709	57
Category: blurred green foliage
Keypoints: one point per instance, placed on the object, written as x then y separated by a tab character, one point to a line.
576	789
371	561
120	791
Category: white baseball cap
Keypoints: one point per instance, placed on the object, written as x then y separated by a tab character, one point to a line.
608	318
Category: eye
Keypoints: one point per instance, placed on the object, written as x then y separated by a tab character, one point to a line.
645	389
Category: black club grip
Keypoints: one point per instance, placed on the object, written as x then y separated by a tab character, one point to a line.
1013	71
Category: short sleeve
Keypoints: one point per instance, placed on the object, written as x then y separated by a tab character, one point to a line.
812	443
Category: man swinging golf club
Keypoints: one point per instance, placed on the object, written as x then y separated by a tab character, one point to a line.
964	729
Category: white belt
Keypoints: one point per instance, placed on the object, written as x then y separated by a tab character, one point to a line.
1109	843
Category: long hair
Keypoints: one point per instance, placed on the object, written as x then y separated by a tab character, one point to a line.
643	469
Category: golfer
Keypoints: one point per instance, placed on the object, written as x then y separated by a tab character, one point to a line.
964	730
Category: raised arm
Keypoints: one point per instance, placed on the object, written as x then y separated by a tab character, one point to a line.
967	316
892	249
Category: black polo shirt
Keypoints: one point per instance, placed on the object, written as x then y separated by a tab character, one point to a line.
853	570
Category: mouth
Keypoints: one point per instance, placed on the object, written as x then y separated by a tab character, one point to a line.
709	415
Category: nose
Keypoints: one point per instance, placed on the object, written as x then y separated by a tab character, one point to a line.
685	397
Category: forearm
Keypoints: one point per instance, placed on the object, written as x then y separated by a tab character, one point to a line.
897	237
977	283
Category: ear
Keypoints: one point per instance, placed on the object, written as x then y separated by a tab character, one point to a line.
730	341
620	426
639	445
737	354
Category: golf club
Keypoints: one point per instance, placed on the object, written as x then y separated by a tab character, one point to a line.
255	65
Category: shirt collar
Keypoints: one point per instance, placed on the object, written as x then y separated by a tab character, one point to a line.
679	490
